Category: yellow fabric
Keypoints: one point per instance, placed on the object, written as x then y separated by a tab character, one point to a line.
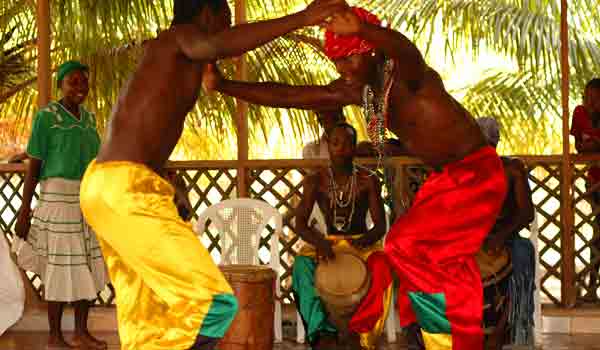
342	242
368	340
165	280
437	341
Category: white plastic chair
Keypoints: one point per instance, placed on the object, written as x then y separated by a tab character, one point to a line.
391	321
240	223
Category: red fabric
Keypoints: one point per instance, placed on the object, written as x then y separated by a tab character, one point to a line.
371	306
338	46
432	248
582	124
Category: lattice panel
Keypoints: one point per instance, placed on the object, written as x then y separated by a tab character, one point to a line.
544	180
282	189
207	187
587	244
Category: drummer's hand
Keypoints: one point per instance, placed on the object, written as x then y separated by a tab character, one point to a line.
325	250
362	242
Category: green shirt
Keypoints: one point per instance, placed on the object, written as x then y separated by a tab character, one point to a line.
64	144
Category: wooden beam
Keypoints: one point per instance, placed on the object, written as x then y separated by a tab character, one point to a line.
43	60
568	289
241	115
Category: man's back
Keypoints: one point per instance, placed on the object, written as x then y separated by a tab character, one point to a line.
148	118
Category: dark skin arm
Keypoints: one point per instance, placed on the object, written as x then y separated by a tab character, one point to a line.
31	180
391	148
307	233
182	201
311	97
377	215
523	211
237	40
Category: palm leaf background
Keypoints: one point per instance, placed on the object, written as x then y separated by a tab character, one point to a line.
525	97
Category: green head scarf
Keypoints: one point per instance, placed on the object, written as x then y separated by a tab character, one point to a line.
69	67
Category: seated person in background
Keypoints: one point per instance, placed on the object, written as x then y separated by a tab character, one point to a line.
344	194
585	127
327	119
517	212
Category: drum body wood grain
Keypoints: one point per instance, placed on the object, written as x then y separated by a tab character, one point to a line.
495	270
252	327
342	283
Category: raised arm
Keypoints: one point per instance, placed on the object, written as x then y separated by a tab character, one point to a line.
313	97
245	37
410	63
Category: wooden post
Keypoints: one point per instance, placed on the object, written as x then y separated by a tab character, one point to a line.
32	299
568	289
43	44
241	115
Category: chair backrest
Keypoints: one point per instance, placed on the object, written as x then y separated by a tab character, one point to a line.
240	224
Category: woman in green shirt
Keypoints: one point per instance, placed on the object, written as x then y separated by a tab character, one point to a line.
63	142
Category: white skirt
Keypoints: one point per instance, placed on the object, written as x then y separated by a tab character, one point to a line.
68	257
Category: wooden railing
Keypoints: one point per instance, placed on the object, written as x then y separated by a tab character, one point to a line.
279	182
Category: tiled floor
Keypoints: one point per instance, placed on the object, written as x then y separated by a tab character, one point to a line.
36	341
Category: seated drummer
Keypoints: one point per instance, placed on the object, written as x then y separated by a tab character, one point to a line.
516	214
344	194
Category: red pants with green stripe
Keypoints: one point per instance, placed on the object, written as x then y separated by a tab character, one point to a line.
432	249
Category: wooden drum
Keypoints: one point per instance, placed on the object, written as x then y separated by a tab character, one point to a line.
342	283
495	270
252	328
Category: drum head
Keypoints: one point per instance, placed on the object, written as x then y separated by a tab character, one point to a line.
247	273
344	275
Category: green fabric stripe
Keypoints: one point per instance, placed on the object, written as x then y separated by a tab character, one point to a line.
64	202
49	230
430	309
309	303
61	194
71	254
53	264
220	315
57	222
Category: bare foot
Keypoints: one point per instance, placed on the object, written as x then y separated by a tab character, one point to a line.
57	342
89	341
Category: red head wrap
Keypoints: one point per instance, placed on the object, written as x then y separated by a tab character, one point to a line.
338	46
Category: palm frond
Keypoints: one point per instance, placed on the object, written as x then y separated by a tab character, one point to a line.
527	108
